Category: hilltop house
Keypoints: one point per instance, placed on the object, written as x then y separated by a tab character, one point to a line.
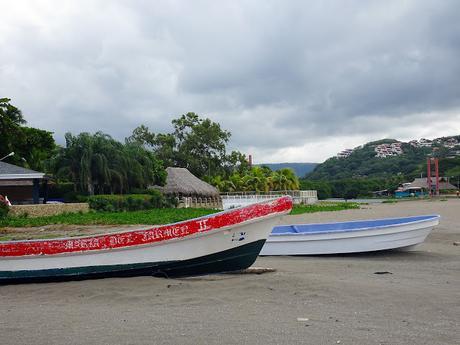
21	185
345	153
386	150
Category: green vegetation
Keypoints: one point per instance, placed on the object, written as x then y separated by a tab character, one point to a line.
98	164
351	188
258	179
130	202
4	209
154	217
31	146
363	163
196	144
324	207
362	172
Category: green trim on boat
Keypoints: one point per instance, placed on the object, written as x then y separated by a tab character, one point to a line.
229	260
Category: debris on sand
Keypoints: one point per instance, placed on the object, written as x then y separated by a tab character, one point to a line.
254	270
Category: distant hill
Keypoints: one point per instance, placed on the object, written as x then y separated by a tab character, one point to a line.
389	157
300	169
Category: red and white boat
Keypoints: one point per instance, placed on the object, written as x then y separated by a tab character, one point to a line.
220	242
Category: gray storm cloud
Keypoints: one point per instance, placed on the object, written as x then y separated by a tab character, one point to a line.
281	76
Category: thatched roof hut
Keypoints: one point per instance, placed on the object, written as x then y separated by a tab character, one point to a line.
422	183
181	182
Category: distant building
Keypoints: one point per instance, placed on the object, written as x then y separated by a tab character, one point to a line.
21	185
388	150
425	143
422	183
345	153
451	143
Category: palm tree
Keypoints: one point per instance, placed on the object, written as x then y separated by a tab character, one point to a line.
219	183
256	180
99	164
284	179
292	180
278	181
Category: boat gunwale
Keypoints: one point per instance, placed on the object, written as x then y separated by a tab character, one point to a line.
152	227
164	234
431	217
192	236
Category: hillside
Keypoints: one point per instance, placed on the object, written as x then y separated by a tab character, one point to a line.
389	157
300	169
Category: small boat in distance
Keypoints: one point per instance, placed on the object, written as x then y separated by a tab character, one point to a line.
349	237
220	242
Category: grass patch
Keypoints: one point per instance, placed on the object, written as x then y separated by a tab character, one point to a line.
324	207
149	217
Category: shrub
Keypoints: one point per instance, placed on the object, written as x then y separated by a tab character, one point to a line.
130	202
139	191
72	197
171	201
158	199
4	209
59	190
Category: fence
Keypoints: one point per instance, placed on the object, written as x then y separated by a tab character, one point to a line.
237	199
186	202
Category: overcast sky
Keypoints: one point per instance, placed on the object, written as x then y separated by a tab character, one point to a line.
293	81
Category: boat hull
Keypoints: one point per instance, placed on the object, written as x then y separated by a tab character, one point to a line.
215	246
229	260
354	241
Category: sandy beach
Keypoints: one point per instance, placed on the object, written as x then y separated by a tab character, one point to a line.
308	300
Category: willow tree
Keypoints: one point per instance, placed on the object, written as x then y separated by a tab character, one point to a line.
97	163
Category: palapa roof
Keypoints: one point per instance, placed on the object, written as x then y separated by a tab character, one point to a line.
422	183
183	182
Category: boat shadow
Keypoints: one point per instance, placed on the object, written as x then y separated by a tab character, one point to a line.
381	254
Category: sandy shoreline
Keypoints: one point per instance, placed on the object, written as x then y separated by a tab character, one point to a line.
342	298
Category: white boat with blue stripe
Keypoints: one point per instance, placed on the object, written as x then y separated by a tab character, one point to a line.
349	237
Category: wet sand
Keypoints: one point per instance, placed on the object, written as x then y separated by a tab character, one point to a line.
345	302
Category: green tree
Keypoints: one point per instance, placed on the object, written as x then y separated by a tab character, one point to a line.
34	148
99	164
201	144
284	179
236	162
10	126
31	146
256	180
196	144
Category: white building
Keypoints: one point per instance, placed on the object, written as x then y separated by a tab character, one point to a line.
345	153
